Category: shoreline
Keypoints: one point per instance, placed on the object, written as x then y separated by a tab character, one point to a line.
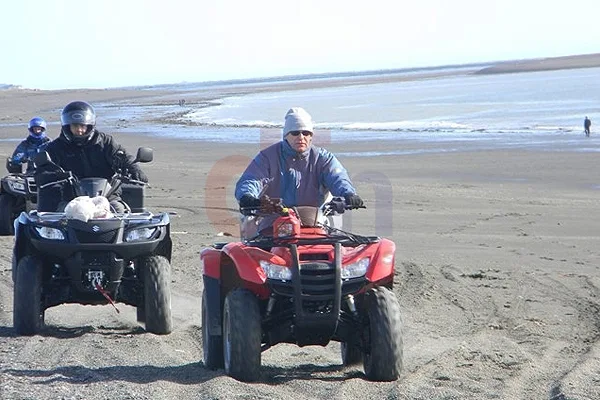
217	90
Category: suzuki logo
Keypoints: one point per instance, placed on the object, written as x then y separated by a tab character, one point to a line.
95	228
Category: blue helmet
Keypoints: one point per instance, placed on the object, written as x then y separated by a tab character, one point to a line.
37	121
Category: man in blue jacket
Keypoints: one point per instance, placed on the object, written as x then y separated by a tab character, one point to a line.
295	171
33	144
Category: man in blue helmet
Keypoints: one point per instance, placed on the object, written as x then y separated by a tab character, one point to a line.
33	144
296	171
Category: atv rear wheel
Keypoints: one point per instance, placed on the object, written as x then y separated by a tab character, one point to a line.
383	357
7	214
156	271
28	314
242	335
212	345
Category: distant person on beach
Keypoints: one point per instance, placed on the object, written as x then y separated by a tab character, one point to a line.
586	126
87	152
35	142
294	170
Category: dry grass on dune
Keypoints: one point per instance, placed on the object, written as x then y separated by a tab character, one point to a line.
544	64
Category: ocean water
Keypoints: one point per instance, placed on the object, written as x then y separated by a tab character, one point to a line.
534	110
535	101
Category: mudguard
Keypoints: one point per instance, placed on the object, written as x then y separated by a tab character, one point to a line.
212	289
211	263
248	268
381	269
20	245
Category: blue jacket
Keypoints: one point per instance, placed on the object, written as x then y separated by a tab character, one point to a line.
298	179
27	149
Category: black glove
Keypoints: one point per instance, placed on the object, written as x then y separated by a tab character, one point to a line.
354	201
249	201
139	175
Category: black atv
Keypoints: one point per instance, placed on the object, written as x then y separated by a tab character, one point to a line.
123	258
18	193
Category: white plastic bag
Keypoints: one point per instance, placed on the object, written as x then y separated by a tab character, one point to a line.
102	209
85	208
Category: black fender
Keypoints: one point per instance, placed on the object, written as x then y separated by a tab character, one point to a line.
212	288
20	246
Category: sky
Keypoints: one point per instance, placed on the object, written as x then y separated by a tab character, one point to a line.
68	44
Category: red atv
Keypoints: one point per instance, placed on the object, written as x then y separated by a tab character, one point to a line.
306	283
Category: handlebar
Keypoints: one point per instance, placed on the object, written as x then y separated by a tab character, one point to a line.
268	205
337	205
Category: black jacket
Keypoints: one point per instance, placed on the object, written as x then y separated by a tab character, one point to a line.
95	159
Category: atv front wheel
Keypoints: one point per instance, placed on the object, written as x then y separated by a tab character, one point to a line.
7	214
383	357
212	345
242	335
156	271
28	314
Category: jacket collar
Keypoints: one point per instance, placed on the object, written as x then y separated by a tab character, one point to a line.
94	139
37	139
288	151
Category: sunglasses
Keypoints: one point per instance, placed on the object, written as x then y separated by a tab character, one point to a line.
304	133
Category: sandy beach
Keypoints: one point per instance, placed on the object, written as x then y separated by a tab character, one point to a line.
497	273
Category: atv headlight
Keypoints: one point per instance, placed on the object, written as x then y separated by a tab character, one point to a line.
356	269
140	234
286	226
50	233
284	230
274	271
16	186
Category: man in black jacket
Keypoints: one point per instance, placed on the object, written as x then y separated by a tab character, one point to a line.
586	126
87	152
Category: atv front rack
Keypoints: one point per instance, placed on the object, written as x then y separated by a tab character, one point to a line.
345	240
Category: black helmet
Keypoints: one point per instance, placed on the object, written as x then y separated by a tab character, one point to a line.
78	112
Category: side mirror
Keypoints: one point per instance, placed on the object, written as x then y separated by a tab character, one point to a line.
144	155
42	158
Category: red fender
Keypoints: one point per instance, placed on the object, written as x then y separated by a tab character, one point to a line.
211	262
246	261
380	269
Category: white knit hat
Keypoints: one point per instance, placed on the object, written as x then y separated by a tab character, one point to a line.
297	119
